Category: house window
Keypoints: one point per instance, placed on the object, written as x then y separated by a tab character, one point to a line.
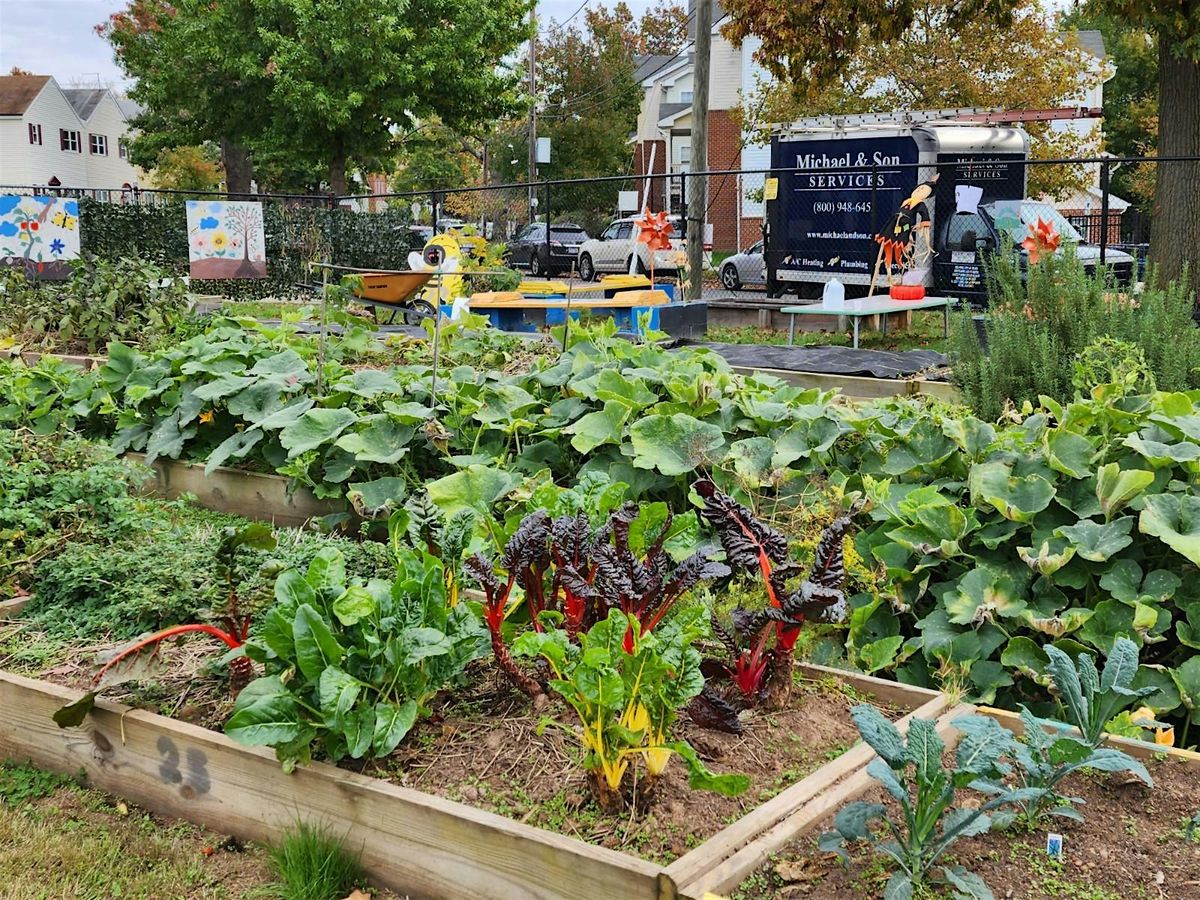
69	142
685	154
35	134
122	148
98	143
685	96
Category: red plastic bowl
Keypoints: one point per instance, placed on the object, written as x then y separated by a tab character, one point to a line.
907	292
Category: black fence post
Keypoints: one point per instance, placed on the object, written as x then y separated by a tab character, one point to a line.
433	210
547	215
874	199
1103	210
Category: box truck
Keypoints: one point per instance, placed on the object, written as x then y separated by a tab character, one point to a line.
838	185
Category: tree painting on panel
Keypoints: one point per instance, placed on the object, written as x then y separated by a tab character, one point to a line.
225	239
39	235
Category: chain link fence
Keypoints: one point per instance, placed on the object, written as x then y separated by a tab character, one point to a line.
769	234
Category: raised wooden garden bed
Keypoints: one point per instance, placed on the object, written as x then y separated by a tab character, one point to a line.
1132	842
252	495
412	842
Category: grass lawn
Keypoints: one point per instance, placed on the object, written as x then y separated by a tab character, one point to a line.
60	840
925	334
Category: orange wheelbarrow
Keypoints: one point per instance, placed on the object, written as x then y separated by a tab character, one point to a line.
396	293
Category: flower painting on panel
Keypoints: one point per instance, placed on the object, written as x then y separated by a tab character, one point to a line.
225	239
39	235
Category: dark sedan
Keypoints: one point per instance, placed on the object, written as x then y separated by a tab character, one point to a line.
530	249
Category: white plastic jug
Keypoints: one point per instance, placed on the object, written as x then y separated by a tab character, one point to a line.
834	295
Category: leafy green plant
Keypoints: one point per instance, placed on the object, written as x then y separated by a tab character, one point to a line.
52	492
312	863
575	575
911	770
1049	752
1107	361
627	700
126	300
132	662
348	665
1043	317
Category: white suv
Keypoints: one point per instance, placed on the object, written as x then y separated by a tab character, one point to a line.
614	251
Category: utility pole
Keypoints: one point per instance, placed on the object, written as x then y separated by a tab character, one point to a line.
532	110
697	196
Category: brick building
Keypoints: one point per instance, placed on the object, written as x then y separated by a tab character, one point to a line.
662	144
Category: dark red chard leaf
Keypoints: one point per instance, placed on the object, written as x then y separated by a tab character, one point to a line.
709	709
745	539
829	566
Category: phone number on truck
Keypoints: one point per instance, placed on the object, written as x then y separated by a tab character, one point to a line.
842	206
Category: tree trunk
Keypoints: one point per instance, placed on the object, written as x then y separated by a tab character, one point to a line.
337	174
1175	235
238	170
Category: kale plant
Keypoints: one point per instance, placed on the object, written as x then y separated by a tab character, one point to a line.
911	770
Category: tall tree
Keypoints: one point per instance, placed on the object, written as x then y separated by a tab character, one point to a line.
931	65
589	102
193	82
811	43
319	80
1130	98
1175	235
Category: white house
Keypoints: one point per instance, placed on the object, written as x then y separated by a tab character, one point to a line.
55	137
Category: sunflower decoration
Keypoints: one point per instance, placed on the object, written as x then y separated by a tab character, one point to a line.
1042	240
654	230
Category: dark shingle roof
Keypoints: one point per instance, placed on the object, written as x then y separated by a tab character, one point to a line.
649	63
1090	42
666	110
85	100
18	91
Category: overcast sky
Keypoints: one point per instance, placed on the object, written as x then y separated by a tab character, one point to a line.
57	37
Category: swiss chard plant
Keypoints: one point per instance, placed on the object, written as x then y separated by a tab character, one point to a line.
349	667
760	644
136	659
910	768
627	702
571	573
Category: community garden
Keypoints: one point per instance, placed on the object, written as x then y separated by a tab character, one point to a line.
572	615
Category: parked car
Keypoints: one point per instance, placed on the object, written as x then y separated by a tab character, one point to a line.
747	267
614	251
530	249
998	220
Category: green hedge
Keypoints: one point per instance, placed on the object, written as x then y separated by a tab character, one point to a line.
294	233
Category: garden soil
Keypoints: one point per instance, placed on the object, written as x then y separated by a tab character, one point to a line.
488	749
1132	844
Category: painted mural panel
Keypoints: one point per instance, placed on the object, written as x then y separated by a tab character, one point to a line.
39	235
225	239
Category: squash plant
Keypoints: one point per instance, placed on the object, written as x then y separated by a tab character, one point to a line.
350	666
627	701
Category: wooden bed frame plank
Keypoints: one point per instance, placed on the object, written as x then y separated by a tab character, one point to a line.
728	874
732	840
420	845
10	609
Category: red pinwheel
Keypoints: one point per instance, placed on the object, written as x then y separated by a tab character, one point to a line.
1042	240
654	230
